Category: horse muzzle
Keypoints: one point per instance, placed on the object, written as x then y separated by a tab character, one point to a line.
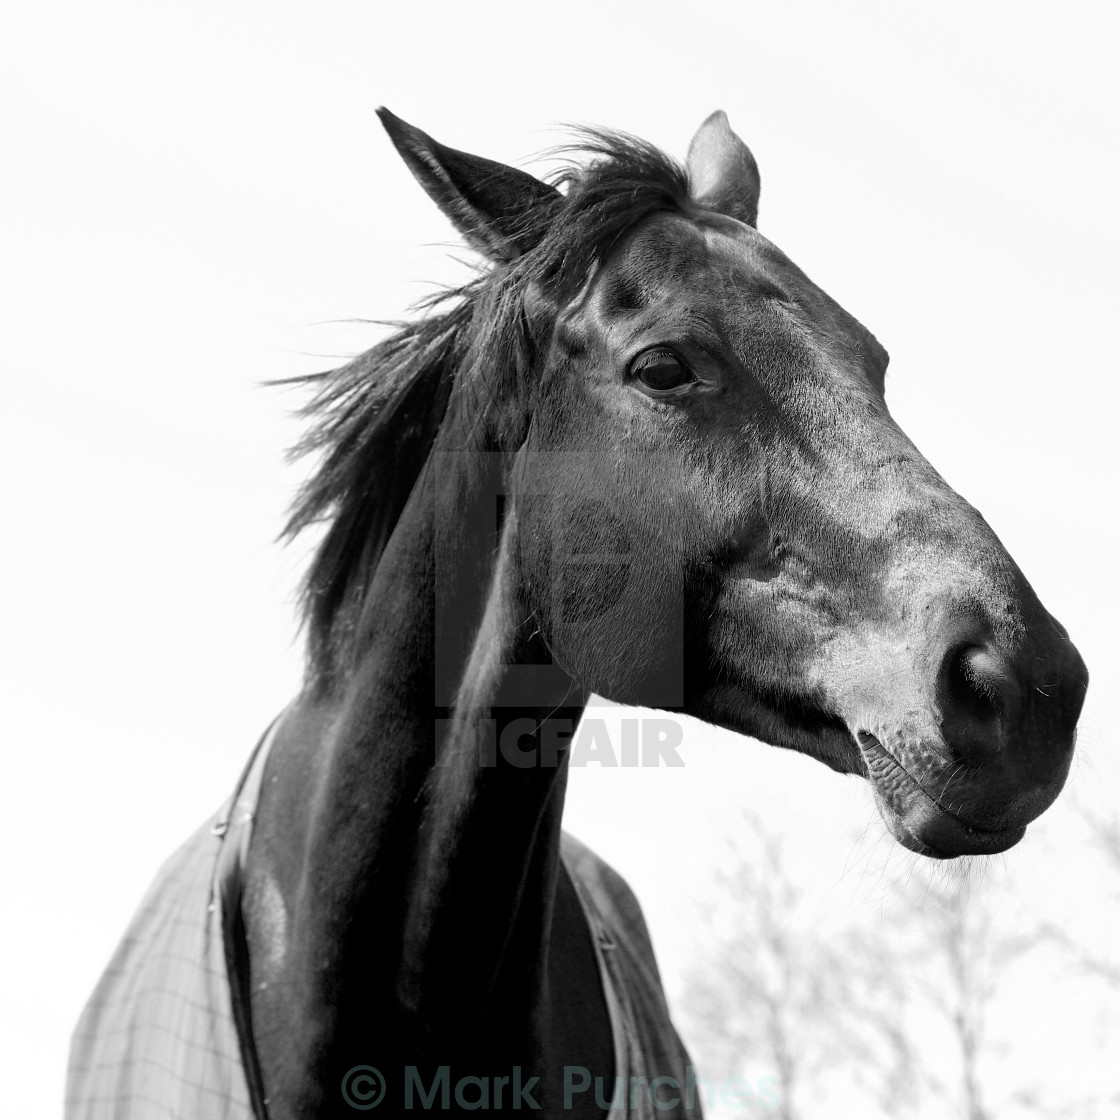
991	753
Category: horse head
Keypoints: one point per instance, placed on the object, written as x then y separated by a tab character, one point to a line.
713	510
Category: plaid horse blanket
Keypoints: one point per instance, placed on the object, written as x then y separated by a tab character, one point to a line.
166	1033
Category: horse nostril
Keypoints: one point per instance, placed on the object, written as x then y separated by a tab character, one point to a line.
976	692
975	680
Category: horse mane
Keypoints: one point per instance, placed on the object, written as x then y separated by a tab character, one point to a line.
373	421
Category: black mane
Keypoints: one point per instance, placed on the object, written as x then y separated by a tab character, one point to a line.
373	421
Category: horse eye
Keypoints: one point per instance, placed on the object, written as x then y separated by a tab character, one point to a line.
661	371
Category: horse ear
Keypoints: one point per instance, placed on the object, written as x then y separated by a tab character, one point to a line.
722	173
487	202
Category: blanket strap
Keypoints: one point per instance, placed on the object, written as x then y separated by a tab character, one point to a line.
234	825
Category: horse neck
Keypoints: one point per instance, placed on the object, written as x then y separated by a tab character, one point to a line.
427	841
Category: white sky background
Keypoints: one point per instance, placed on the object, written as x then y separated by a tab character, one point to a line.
194	195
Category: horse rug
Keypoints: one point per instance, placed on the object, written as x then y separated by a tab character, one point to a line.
166	1033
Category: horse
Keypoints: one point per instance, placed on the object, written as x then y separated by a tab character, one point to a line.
640	454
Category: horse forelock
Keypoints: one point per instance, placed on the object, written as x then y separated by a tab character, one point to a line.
468	358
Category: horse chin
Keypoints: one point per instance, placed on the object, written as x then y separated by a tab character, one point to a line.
942	835
918	822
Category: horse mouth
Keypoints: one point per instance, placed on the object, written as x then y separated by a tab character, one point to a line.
917	820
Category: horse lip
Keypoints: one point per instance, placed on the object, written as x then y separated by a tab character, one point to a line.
945	834
954	837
